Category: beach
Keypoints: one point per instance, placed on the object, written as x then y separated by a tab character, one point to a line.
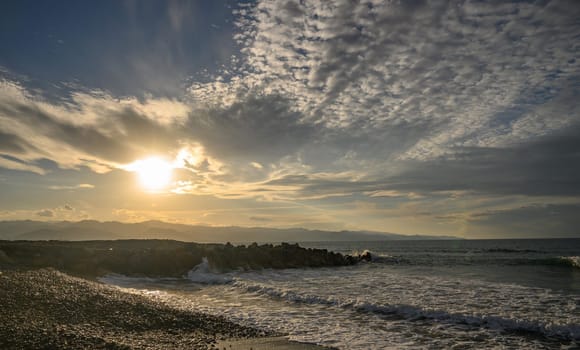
448	294
47	309
462	294
52	294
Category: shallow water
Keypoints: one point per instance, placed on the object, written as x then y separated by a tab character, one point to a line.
420	294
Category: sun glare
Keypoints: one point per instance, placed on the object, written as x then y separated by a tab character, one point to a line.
154	173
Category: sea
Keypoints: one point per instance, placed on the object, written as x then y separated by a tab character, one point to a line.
429	294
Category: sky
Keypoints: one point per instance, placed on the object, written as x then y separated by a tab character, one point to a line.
414	117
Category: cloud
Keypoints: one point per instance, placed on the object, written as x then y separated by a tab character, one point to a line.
385	89
256	128
395	194
10	162
379	101
537	220
381	63
541	166
85	186
13	143
75	187
544	166
260	219
98	131
91	129
47	213
63	212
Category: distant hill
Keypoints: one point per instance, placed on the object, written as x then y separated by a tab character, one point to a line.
96	230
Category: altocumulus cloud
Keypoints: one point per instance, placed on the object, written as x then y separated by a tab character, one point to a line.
400	88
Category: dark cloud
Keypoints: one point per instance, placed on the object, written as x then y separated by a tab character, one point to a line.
87	139
539	220
363	147
255	128
13	144
119	133
316	186
544	166
260	218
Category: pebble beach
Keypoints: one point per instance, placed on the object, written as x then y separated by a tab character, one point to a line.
51	298
47	309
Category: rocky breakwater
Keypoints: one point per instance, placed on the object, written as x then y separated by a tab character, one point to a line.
161	258
253	257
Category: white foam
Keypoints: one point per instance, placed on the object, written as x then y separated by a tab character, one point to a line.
375	306
132	282
411	312
573	261
202	273
447	302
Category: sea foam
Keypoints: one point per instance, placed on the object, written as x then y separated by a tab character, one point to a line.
411	312
202	273
573	261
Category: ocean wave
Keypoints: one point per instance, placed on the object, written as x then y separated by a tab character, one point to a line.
561	261
131	281
378	257
145	285
389	259
203	274
565	332
415	313
200	274
474	260
509	250
572	261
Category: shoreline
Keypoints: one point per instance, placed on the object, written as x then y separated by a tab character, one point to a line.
266	343
46	308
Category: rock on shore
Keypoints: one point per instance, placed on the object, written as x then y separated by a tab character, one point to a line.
47	309
160	258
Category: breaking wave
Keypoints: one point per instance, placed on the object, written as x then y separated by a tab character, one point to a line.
572	261
415	313
527	257
202	273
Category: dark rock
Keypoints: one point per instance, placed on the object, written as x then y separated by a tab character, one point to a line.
366	256
161	257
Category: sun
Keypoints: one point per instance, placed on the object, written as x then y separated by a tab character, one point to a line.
154	173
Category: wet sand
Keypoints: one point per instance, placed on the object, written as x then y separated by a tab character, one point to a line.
266	343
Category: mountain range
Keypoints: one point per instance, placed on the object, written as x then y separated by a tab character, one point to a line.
110	230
